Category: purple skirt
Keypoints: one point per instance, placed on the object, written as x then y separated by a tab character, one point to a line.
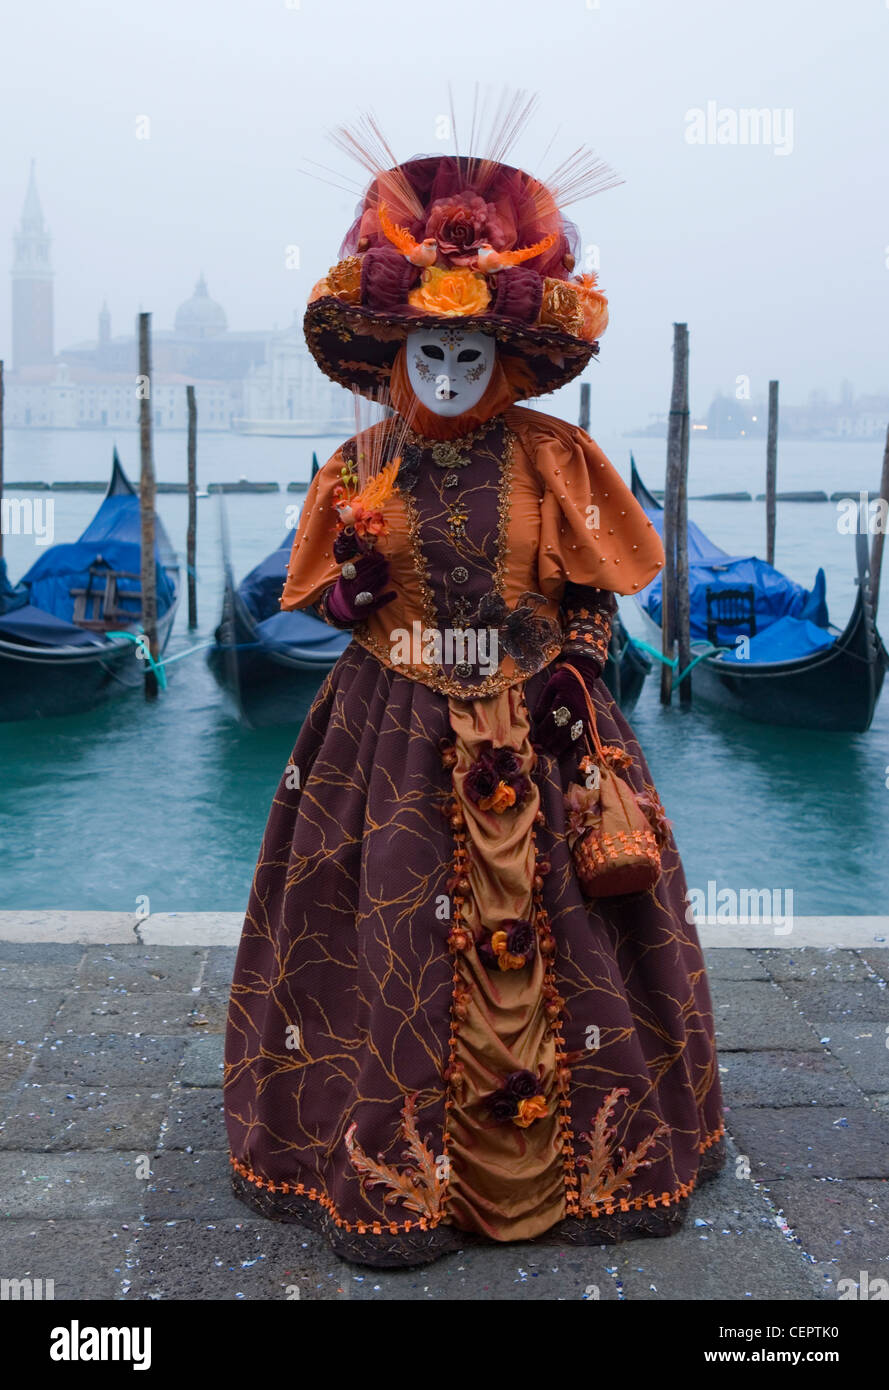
358	1051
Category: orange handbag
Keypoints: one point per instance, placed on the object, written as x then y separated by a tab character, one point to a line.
614	847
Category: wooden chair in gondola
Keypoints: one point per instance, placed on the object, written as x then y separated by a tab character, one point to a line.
97	607
732	608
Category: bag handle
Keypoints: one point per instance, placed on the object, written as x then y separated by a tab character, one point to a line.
597	742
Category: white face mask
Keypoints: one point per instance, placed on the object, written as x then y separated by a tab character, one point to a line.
448	368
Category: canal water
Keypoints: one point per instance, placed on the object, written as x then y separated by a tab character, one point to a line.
167	801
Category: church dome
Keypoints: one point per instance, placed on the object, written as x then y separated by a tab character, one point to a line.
200	316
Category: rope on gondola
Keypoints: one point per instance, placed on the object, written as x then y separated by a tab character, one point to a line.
143	652
672	662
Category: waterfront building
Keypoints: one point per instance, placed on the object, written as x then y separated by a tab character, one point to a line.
264	380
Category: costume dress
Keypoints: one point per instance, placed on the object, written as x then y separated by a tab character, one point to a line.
433	1034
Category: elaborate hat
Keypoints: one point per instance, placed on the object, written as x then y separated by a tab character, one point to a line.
452	241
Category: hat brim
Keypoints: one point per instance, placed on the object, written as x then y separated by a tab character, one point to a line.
356	346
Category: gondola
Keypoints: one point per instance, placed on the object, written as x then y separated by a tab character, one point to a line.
58	651
269	663
795	667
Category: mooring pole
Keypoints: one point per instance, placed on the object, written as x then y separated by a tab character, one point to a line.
876	554
584	420
771	471
1	456
147	493
678	406
683	615
191	537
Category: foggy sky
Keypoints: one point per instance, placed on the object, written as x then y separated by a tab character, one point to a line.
777	262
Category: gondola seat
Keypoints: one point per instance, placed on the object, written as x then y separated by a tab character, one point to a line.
98	607
730	608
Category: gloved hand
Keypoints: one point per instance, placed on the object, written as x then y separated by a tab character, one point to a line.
559	720
355	596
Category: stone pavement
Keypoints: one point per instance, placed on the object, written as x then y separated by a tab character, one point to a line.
114	1171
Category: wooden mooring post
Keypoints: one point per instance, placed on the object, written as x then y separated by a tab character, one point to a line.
192	533
147	492
678	413
771	472
1	458
876	554
683	612
584	420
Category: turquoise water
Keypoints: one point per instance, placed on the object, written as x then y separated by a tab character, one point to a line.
168	800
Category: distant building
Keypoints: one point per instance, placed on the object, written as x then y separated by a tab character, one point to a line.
32	305
265	380
850	417
283	394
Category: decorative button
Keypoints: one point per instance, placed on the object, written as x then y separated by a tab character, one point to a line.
463	670
460	574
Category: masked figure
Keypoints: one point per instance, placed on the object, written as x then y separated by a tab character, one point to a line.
438	1031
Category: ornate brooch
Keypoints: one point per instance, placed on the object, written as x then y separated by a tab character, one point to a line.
522	634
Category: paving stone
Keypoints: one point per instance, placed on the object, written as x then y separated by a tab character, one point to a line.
85	1259
53	954
210	1011
220	968
169	969
815	964
15	1058
516	1271
194	1186
861	1048
202	1062
26	1014
824	1003
785	1078
231	1259
731	963
877	957
113	1059
843	1223
30	975
73	1185
57	1117
816	1142
105	1011
195	1120
752	1016
730	1247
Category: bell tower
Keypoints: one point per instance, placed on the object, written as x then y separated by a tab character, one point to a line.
32	306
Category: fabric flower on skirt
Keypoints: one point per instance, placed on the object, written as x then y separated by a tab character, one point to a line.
510	949
520	1100
495	781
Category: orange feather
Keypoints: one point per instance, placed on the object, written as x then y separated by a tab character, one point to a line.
400	237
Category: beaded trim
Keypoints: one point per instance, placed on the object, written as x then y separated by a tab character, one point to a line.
298	1189
422	1223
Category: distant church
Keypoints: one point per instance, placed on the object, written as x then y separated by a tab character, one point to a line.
261	382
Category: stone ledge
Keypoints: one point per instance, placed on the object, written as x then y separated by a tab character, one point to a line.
224	929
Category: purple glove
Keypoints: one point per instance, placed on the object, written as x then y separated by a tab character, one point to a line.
346	602
562	708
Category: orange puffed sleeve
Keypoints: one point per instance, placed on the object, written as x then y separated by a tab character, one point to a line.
592	529
312	567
